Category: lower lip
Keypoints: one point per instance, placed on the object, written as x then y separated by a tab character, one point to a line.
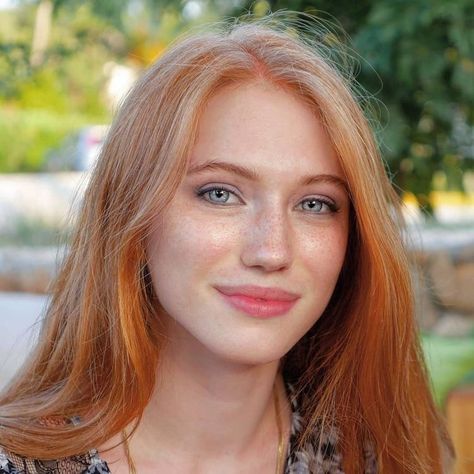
259	308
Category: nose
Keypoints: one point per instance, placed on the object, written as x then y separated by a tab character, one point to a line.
267	242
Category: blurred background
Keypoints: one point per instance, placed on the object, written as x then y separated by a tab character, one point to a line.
65	65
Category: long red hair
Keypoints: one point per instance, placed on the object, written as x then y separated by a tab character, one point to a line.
360	368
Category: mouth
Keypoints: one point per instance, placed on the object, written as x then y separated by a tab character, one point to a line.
259	302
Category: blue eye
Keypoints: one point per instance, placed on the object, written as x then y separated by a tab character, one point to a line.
218	195
223	196
319	206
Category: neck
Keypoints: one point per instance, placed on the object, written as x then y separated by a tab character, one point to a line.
210	403
207	408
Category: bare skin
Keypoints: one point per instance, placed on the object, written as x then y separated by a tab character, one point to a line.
236	434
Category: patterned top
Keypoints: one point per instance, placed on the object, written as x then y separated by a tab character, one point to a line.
318	458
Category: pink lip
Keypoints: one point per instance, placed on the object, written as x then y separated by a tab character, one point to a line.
259	301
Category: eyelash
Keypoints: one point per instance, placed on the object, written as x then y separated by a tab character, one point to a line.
327	202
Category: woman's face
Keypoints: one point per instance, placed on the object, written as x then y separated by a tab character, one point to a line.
263	205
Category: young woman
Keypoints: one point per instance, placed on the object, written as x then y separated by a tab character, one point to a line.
236	297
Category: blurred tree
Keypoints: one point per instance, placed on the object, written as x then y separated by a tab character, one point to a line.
111	11
44	103
418	59
56	57
41	31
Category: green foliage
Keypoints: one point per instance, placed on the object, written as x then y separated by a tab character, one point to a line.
423	52
42	103
39	106
449	360
27	134
71	77
42	90
14	50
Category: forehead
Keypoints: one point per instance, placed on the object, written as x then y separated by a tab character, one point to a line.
265	128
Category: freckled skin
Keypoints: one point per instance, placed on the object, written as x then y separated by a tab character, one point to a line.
261	236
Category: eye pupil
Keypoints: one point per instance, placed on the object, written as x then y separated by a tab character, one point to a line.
220	193
315	204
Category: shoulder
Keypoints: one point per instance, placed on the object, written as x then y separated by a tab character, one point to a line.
89	463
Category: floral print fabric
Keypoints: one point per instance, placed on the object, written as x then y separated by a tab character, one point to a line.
321	457
89	463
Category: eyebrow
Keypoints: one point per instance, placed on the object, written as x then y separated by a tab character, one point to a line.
252	175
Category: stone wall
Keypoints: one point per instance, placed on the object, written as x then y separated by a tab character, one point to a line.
445	293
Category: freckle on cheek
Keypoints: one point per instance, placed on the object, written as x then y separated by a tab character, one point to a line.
214	243
185	241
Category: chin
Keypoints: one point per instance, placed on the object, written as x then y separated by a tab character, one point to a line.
250	361
253	355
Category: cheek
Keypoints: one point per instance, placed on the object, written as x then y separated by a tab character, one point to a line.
321	260
324	251
184	246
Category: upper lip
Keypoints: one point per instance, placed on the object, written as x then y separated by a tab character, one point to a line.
267	293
